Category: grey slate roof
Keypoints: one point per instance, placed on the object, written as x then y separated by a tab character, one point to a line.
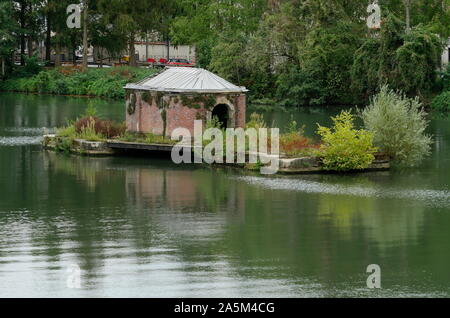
187	79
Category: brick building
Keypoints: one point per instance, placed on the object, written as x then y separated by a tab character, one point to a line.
177	96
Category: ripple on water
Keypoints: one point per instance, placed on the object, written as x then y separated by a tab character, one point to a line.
439	198
29	131
19	141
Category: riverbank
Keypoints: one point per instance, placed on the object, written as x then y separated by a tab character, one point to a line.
73	81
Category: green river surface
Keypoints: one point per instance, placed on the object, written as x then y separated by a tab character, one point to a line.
143	227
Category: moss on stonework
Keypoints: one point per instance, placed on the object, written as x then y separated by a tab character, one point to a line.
147	97
164	119
210	102
197	100
131	109
199	116
160	100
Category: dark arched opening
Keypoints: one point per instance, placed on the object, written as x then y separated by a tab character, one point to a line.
222	114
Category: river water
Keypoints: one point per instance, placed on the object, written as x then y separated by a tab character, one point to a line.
143	227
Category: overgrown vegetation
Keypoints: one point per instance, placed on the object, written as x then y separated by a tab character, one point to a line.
293	143
303	52
441	102
311	52
345	148
90	128
107	82
405	61
398	124
146	138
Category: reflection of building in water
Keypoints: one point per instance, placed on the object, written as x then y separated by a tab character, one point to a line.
186	190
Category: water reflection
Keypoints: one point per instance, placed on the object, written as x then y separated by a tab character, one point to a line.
146	227
204	223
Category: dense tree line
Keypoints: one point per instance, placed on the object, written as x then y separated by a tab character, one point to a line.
306	52
111	24
313	52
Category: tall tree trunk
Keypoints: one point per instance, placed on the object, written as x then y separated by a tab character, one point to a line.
3	66
30	27
132	51
168	48
58	54
22	33
48	41
30	46
146	46
85	35
408	15
74	53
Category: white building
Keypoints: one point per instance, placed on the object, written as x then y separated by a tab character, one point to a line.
158	50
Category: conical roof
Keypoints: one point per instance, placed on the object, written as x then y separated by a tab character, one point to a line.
187	79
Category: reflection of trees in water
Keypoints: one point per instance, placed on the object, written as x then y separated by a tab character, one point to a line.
22	110
384	221
323	235
101	210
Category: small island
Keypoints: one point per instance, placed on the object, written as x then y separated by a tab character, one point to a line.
172	99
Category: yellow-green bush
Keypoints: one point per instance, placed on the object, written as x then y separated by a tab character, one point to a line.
345	148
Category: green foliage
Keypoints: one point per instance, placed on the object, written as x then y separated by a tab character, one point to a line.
91	111
256	121
301	52
296	87
246	62
293	143
8	29
214	123
442	102
63	144
71	81
67	132
445	79
327	55
89	133
345	148
146	138
404	61
398	124
31	68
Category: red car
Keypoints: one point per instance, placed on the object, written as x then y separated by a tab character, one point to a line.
180	62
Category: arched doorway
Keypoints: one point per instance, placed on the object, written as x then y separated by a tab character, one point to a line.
221	111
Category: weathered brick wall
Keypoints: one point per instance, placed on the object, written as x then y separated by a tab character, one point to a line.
152	118
132	120
240	105
178	115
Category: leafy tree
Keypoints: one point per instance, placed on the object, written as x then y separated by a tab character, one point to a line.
405	61
133	18
8	29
